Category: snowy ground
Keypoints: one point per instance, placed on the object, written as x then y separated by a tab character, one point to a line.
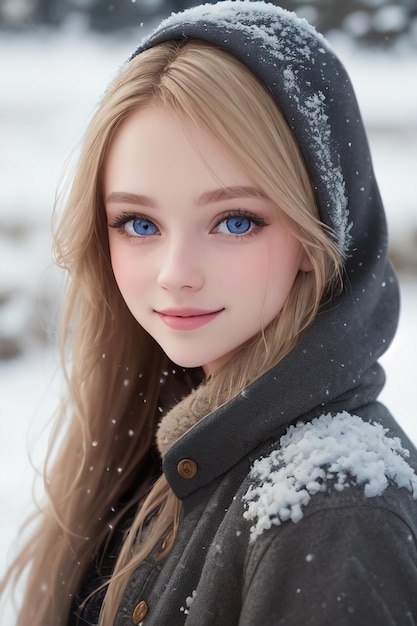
49	87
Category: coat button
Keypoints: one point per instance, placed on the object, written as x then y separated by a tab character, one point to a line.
139	612
187	468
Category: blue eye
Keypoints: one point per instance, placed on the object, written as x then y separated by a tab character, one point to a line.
131	225
141	226
238	225
235	225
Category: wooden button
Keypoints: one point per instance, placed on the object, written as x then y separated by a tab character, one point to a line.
187	468
139	612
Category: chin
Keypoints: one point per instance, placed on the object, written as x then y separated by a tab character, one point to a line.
184	361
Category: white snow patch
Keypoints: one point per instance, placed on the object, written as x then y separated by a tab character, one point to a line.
243	16
313	110
338	451
390	18
188	602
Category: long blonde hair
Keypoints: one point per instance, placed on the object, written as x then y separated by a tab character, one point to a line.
116	371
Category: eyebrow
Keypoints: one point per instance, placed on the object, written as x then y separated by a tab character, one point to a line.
208	197
230	193
122	197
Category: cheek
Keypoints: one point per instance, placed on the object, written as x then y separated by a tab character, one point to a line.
125	269
117	264
274	273
240	276
273	264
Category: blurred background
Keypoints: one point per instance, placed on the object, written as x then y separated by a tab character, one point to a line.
390	23
56	58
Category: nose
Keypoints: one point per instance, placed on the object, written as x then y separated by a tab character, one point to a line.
181	267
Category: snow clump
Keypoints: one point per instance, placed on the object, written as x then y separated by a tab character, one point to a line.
188	602
342	449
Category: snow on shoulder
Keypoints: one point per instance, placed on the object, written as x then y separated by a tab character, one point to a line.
329	452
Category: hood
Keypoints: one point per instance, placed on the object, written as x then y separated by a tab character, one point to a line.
334	366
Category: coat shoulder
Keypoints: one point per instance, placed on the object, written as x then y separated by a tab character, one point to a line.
332	510
333	461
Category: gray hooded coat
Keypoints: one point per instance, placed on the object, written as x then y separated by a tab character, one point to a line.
323	530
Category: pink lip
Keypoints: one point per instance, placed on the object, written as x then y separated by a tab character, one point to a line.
187	319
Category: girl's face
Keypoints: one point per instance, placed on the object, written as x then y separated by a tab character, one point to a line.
202	259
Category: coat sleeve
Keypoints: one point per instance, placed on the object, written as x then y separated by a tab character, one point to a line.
337	567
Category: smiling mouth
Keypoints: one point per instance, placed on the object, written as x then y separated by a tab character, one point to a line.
187	319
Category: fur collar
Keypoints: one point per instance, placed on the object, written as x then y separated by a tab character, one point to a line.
182	417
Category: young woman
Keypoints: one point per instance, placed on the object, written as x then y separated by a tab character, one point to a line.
221	455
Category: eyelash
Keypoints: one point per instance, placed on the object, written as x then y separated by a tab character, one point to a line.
257	221
120	222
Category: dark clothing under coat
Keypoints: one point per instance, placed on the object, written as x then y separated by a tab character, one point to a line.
349	558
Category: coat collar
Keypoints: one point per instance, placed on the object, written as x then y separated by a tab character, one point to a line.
256	417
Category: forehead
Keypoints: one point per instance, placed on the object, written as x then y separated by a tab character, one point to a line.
154	149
